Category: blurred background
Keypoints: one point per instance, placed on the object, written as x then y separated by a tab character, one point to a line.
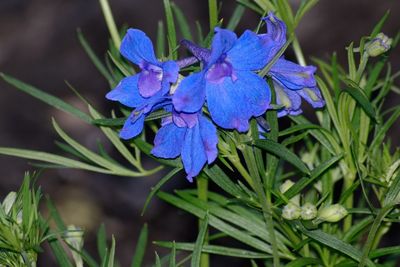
38	45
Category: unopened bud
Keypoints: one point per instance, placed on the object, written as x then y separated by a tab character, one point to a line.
8	202
379	45
308	211
332	213
285	187
291	211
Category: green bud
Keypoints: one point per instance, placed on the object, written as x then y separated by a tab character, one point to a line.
291	211
8	202
332	213
74	238
285	187
379	45
308	211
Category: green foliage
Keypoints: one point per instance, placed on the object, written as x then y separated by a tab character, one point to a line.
342	153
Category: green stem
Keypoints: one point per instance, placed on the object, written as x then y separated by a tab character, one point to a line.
202	193
105	7
265	201
213	13
298	52
242	170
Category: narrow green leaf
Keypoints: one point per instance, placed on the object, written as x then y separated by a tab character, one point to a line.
196	256
112	253
102	242
112	28
157	187
251	6
140	247
172	256
304	262
217	250
182	22
334	243
213	14
373	232
120	66
301	127
218	176
282	152
305	6
220	225
52	158
47	98
116	169
393	194
315	173
379	25
158	261
59	253
359	96
172	44
351	62
96	61
236	17
380	135
160	45
377	253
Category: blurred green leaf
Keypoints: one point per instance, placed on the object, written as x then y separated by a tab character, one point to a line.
218	250
198	246
182	22
140	248
47	98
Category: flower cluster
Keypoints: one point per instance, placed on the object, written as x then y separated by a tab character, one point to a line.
227	91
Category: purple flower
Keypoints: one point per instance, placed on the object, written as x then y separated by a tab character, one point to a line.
147	90
291	81
192	136
233	92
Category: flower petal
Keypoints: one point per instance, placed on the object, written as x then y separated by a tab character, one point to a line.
209	137
168	141
193	153
190	94
232	104
133	126
275	37
170	71
138	48
248	53
222	42
127	92
149	82
289	99
292	75
312	96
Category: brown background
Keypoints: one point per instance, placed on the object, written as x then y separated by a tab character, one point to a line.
38	45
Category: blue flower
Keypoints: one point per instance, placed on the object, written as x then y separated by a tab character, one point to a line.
233	92
291	81
147	90
192	136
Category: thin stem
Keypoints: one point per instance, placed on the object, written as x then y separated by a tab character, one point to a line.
105	7
298	52
242	170
202	192
213	13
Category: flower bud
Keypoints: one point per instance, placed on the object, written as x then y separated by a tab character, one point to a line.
8	202
332	213
379	45
291	211
308	211
285	187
